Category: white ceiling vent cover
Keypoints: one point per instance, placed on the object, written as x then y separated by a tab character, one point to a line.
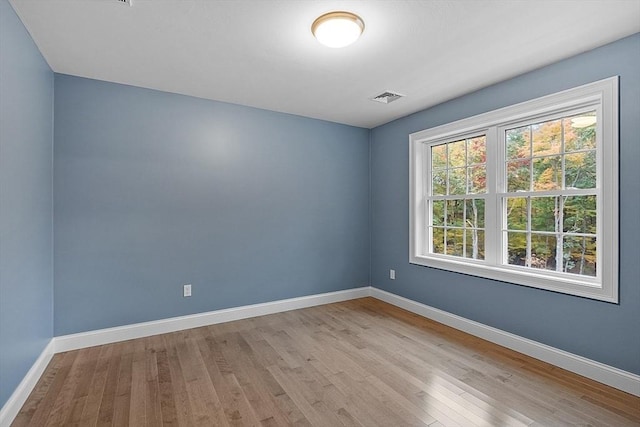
387	97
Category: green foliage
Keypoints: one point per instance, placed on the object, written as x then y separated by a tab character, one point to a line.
458	227
550	156
458	169
547	232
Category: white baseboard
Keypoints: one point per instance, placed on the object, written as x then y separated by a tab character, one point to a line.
614	377
22	392
139	330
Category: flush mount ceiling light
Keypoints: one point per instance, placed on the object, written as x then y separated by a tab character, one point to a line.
337	29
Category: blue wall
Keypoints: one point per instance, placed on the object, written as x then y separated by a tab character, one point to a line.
26	145
154	190
601	331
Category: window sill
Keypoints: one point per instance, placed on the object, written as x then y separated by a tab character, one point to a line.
580	286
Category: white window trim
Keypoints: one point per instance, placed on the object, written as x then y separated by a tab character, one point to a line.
604	94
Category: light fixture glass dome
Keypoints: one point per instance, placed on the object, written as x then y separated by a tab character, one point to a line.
337	29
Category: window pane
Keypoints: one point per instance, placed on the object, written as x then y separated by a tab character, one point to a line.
457	154
517	213
439	156
476	150
438	212
580	170
544	213
475	213
543	251
580	214
517	248
579	255
458	181
438	240
518	175
547	173
439	183
455	213
518	143
475	244
547	138
454	241
477	176
580	132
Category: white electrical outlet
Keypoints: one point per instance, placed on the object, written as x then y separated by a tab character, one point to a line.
392	274
186	291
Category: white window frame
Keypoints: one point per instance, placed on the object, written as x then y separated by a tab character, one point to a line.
601	96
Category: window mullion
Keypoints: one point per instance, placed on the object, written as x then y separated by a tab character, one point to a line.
493	215
427	230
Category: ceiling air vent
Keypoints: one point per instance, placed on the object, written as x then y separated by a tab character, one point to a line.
387	97
125	2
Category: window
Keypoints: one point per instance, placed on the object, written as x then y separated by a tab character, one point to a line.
458	182
527	194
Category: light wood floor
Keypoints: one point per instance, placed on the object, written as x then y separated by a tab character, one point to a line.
356	363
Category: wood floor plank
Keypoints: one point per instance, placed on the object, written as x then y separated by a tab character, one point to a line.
122	400
89	359
208	409
181	400
168	412
152	399
46	406
237	409
257	382
106	412
96	388
39	392
304	399
72	390
356	363
137	415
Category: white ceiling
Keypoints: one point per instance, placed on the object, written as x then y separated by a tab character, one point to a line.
261	52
